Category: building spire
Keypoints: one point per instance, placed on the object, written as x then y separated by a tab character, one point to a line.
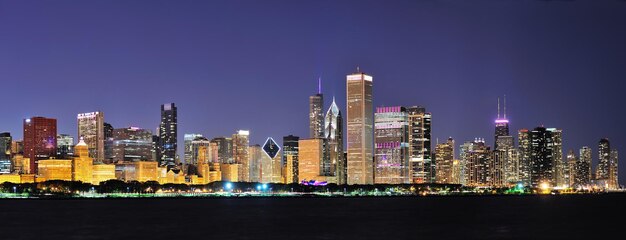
358	70
498	107
504	106
319	85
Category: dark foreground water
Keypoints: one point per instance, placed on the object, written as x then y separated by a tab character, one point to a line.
475	217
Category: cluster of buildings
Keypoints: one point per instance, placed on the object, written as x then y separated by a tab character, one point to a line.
382	145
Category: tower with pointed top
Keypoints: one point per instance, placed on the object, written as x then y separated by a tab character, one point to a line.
360	125
502	127
333	132
316	115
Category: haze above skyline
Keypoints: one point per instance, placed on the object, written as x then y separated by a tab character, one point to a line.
232	65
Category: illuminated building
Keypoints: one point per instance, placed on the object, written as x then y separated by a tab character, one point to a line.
583	168
505	150
571	168
502	129
444	156
200	151
188	137
542	157
360	128
230	172
168	132
131	145
422	168
17	147
5	153
254	158
604	159
103	172
271	162
316	116
82	163
391	159
21	165
613	170
65	146
142	171
108	142
496	171
91	129
290	158
12	178
559	165
477	158
333	132
311	154
240	154
224	152
40	140
524	156
156	148
54	169
455	176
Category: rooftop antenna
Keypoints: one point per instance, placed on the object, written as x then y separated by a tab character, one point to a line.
498	107
505	106
358	70
319	85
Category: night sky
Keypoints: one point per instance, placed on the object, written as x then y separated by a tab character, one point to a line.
232	65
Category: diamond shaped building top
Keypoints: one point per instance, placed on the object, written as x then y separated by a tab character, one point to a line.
271	148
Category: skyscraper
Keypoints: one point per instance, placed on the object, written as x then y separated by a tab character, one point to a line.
223	151
557	151
240	154
613	170
391	160
188	138
65	146
40	140
502	128
131	144
477	160
290	158
255	156
583	168
422	168
360	125
444	155
542	157
168	132
333	132
571	168
316	114
524	156
505	149
310	156
271	162
5	152
91	130
604	159
200	151
108	143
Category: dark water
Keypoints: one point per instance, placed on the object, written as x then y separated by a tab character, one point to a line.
476	217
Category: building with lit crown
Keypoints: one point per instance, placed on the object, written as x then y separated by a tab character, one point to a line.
360	128
316	114
168	132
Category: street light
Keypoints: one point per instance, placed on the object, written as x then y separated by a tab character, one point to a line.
14	190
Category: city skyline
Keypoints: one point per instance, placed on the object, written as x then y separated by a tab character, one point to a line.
529	96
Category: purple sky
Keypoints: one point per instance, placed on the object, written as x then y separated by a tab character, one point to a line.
232	65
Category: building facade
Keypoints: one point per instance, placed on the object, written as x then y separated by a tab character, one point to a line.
40	140
91	130
422	169
360	127
542	157
444	156
168	132
391	158
240	153
316	114
333	132
6	165
290	160
131	145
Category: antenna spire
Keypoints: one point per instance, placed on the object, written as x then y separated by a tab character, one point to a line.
504	106
358	70
498	107
319	85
